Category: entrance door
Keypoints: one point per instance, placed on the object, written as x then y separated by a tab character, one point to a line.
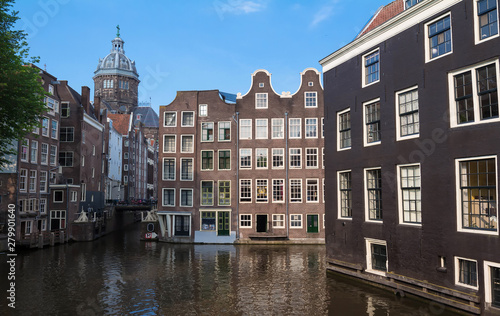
495	286
312	223
223	223
182	225
261	223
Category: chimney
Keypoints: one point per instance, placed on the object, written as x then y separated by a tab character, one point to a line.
86	99
97	107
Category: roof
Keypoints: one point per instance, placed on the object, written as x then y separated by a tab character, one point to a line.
148	116
120	122
228	97
383	14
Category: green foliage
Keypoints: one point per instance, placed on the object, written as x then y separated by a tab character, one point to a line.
21	93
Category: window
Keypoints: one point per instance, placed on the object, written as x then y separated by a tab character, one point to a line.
67	134
58	196
54	130
207	160
107	84
410	3
207	132
466	272
245	158
224	192
83	137
277	126
125	155
208	221
376	256
245	190
475	95
438	33
409	197
311	157
371	69
182	225
278	158
44	156
245	129
322	127
477	195
169	143
24	149
43	181
486	20
261	158
74	196
168	197
186	197
187	144
311	99
373	197
492	283
187	169
169	169
296	158
295	128
57	220
187	119
66	158
311	127
261	189
65	109
224	131
345	194
261	100
34	151
372	123
312	190
170	119
408	125
344	130
32	183
224	160
296	221
246	220
278	221
295	190
43	206
52	179
53	155
203	110
261	129
278	190
207	193
45	126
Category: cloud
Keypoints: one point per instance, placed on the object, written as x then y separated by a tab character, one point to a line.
238	7
324	13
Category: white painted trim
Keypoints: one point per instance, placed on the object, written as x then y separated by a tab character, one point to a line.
400	197
398	118
192	146
290	191
316	127
213	132
175	144
315	97
365	137
284	191
282	120
180	197
339	196
163	171
488	295
251	158
257	191
251	190
426	38
317	158
218	132
272	158
301	221
363	68
478	40
338	129
239	96
281	220
267	158
201	160
457	273
267	100
365	187
302	76
164	116
89	120
182	114
290	127
251	221
290	158
317	191
267	128
193	166
368	243
230	160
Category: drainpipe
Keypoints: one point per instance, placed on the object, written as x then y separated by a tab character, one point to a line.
237	174
286	184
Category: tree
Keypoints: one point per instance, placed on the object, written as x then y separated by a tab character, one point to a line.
21	92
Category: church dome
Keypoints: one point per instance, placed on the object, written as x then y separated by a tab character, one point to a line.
116	62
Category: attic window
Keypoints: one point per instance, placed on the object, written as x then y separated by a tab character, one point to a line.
411	3
310	83
261	85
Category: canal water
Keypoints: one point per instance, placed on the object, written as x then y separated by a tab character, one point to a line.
120	275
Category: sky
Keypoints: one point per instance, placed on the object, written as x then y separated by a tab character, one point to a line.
191	44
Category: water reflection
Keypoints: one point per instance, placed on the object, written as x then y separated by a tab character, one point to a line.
119	275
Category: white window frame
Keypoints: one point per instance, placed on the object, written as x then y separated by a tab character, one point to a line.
294	218
339	196
317	190
44	181
180	197
201	160
192	169
280	123
365	136
163	168
284	191
368	243
426	37
400	197
282	155
244	124
218	132
365	185
46	160
207	129
192	143
263	200
477	39
295	119
314	96
363	68
260	97
459	200
239	162
290	190
307	155
248	185
475	98
165	118
258	128
338	129
487	281
279	218
400	137
290	158
163	197
182	118
246	220
203	110
266	154
34	149
54	196
218	159
175	143
457	273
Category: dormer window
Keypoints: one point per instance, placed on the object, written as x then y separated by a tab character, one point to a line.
261	100
410	3
261	85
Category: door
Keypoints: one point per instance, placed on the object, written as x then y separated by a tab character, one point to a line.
261	223
312	224
223	223
495	286
182	225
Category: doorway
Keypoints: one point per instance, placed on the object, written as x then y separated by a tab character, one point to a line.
312	224
261	223
223	222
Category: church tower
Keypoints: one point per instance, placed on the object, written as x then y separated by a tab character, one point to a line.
116	81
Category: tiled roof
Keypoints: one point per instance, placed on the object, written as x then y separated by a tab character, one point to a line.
383	15
120	122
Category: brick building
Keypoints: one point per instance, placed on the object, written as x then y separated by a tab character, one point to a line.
412	145
246	168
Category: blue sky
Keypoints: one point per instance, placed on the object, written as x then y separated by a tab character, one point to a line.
191	44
